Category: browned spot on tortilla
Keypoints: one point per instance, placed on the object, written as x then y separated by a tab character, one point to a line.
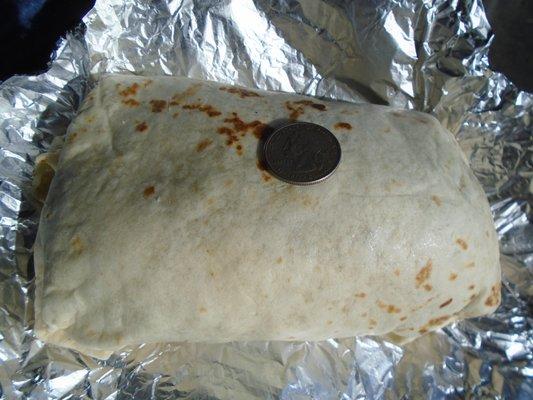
297	108
260	165
129	90
316	106
428	287
372	322
179	97
361	295
398	114
228	182
212	274
48	215
175	114
453	276
472	297
292	337
239	149
149	191
494	297
131	102
231	137
397	272
243	93
329	322
266	177
210	201
447	302
158	105
223	130
141	127
72	137
279	260
424	274
471	287
343	125
345	309
147	82
436	200
403	318
391	309
89	119
240	126
487	234
422	330
77	245
471	264
438	321
364	314
260	130
462	243
205	108
202	310
203	144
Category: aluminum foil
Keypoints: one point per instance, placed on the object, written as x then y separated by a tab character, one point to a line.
429	55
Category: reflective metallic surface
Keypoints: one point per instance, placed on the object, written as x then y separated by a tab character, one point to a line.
302	153
425	55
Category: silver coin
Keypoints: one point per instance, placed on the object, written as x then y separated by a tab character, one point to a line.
302	153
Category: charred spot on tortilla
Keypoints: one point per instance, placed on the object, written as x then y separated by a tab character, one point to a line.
129	90
158	105
462	244
205	108
424	274
203	144
297	108
149	191
446	303
389	308
131	102
141	126
494	297
343	125
242	127
243	93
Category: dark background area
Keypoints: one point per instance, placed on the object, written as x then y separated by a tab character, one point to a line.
30	29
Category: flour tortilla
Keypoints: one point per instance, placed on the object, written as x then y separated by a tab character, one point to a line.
160	224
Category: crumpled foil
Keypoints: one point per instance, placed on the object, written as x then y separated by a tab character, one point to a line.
429	55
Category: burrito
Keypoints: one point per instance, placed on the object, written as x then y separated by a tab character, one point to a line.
162	224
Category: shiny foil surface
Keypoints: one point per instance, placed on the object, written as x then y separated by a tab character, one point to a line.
429	55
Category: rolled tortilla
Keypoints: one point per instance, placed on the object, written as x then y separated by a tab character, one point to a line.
161	225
